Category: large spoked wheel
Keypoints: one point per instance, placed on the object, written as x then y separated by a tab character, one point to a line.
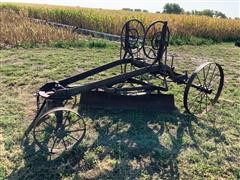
153	39
203	88
59	130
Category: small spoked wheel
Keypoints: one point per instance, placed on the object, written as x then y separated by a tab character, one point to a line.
59	130
203	88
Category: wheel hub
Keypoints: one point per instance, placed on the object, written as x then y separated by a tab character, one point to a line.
60	133
206	90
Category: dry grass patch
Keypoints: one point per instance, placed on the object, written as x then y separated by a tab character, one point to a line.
16	30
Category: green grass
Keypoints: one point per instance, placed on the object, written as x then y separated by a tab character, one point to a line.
121	144
197	41
87	42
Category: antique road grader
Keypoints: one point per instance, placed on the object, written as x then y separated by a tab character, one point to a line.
57	127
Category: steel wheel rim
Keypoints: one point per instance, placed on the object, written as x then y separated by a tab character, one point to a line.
211	77
55	141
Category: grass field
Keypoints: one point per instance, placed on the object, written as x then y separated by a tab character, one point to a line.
121	144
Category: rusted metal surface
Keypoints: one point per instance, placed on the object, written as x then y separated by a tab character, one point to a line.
146	102
79	30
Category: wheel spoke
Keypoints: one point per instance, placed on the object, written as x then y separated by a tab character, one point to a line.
76	130
64	143
206	102
195	100
70	124
154	29
207	73
42	130
73	137
54	142
212	76
50	136
215	82
199	80
49	124
210	100
66	101
204	77
151	50
66	118
65	121
200	102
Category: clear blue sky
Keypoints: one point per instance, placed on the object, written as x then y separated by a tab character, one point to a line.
229	7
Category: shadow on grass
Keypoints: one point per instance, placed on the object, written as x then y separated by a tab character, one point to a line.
38	166
143	144
128	144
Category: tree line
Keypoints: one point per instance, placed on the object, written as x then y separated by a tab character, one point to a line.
173	8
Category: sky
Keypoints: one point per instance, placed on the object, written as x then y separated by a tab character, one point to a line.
229	7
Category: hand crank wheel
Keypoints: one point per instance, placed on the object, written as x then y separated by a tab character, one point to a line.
203	88
59	130
132	37
153	39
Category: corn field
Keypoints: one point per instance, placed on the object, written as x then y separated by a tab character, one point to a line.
16	29
111	21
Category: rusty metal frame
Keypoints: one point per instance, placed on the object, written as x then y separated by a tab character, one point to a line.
106	92
157	67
